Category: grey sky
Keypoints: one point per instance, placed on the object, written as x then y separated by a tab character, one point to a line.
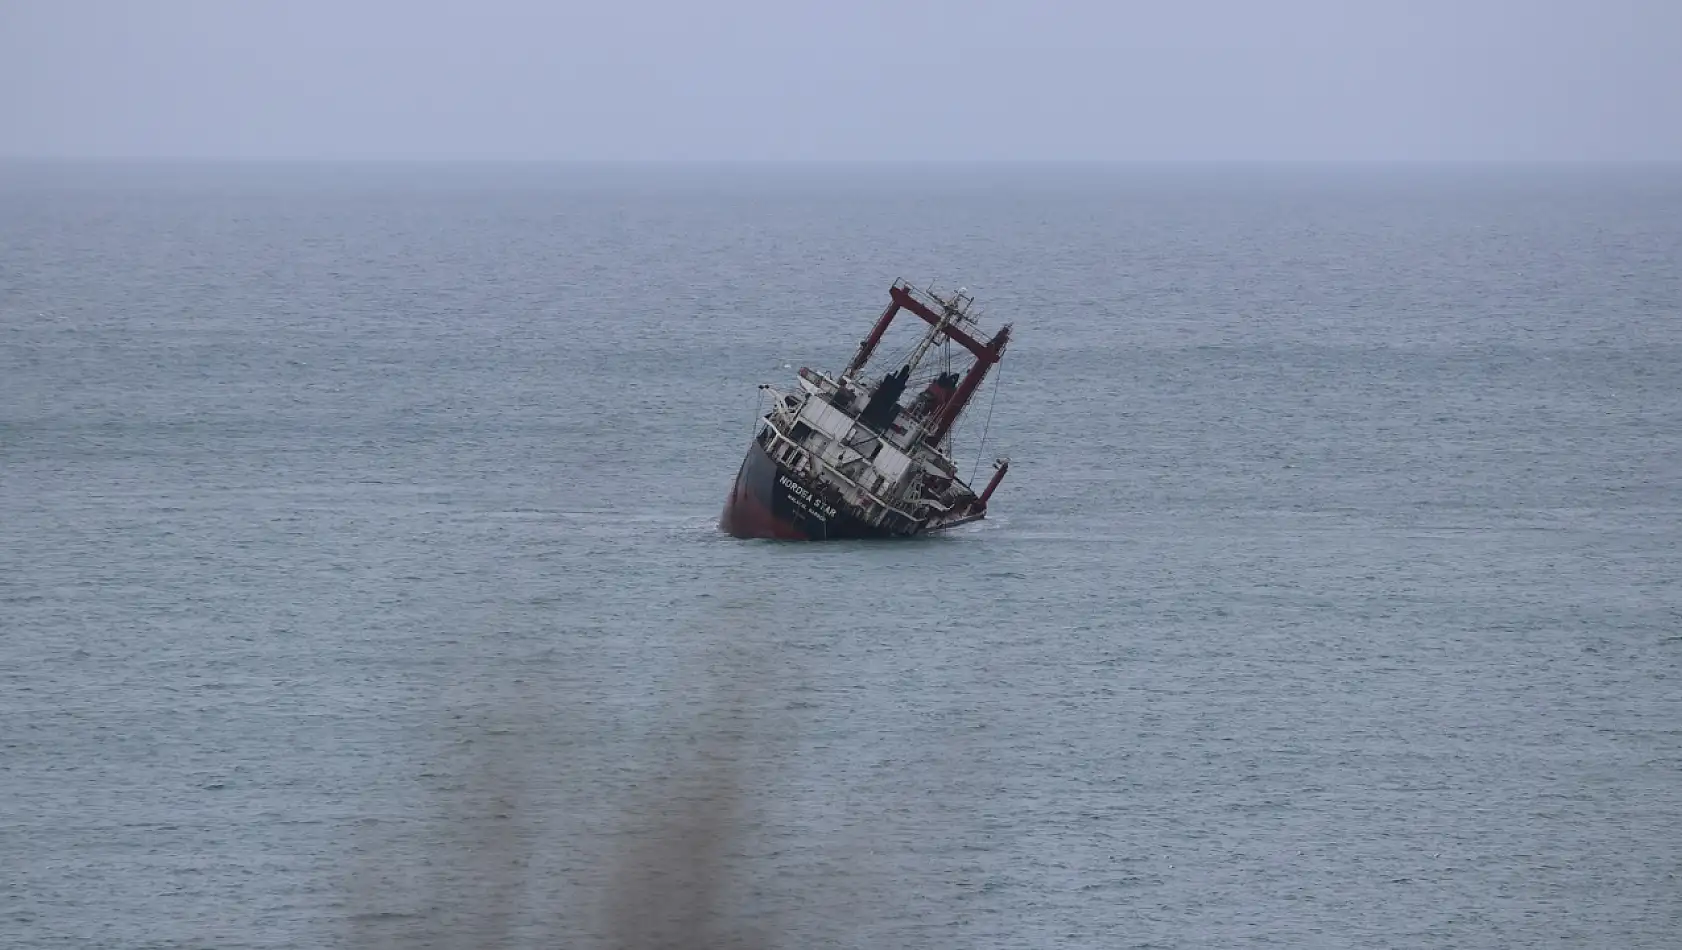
851	79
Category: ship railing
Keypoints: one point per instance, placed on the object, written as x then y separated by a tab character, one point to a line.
816	377
779	401
841	475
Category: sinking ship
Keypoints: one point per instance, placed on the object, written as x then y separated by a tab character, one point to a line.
849	456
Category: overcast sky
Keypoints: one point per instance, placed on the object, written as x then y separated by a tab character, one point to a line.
848	79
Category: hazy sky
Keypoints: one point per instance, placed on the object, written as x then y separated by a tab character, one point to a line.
851	79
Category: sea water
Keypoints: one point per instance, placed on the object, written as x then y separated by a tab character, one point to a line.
360	582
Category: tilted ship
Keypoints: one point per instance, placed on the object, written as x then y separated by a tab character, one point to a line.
846	458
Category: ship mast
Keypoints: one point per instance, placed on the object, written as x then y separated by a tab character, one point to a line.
948	323
989	354
949	312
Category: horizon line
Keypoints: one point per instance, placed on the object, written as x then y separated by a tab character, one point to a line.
812	162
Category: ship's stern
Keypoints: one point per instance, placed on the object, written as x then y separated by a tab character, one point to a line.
751	509
773	501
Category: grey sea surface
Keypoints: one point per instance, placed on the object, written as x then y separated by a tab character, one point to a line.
360	583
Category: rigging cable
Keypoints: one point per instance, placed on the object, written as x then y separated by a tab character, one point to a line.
997	381
758	414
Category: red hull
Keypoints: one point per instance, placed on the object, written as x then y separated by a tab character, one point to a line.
746	515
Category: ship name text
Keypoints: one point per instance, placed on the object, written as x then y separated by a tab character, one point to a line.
804	498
